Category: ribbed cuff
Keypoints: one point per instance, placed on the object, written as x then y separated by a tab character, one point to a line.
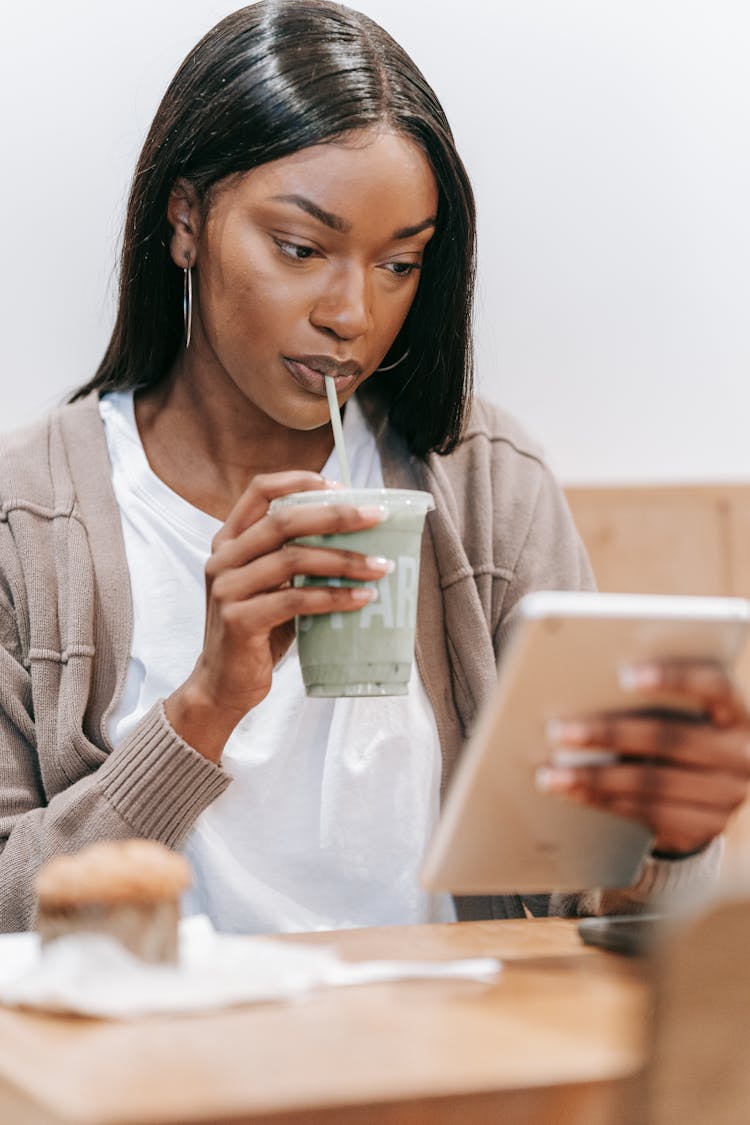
661	884
661	878
158	783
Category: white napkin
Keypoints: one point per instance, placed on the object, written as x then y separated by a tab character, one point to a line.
94	976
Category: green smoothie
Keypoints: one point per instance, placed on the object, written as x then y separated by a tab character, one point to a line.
366	651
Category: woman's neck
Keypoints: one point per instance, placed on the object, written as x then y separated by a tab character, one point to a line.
208	448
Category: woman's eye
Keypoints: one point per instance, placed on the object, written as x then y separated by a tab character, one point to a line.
402	269
294	250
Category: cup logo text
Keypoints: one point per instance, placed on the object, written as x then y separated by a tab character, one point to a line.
395	607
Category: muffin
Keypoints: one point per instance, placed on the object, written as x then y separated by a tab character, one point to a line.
126	889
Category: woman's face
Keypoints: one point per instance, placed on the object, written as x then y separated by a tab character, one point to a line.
309	264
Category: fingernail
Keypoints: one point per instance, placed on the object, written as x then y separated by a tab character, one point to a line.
364	594
373	512
570	759
377	562
637	677
550	780
566	730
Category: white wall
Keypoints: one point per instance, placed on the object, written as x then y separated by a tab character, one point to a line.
609	143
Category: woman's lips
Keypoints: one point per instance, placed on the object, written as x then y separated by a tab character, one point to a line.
310	379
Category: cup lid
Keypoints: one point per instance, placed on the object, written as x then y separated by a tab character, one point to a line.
400	497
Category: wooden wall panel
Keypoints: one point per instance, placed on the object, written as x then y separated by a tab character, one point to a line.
655	540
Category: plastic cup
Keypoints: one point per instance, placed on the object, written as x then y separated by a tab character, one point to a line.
367	651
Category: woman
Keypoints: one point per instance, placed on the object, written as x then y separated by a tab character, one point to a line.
298	210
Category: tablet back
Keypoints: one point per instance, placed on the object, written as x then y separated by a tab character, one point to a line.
497	833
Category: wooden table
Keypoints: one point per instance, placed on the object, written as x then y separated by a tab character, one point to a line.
552	1041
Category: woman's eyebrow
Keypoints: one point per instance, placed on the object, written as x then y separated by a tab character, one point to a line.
335	222
408	232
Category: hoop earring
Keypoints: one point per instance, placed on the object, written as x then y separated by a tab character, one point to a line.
396	364
187	302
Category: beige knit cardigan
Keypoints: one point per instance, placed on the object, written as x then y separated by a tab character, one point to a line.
501	527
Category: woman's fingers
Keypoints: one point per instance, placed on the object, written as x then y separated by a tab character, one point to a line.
259	616
271	571
278	528
682	809
681	775
703	685
697	745
254	502
645	784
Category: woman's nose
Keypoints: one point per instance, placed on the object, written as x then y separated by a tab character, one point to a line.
344	306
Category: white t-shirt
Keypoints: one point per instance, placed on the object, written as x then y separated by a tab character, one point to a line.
333	800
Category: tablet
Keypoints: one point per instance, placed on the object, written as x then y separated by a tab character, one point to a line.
497	833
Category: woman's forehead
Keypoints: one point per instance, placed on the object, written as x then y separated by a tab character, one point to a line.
385	174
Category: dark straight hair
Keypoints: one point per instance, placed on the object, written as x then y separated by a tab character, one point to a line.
267	81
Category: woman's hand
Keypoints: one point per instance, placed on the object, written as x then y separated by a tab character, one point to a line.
680	776
251	602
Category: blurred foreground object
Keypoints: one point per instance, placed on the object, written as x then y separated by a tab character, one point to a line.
697	1071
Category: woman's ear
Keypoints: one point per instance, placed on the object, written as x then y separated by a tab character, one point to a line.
184	217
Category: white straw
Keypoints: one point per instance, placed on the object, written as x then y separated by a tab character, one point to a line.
338	433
